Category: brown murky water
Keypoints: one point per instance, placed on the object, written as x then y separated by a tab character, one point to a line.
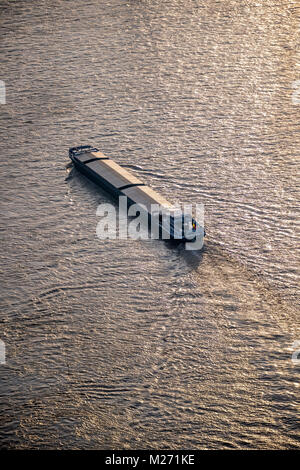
138	344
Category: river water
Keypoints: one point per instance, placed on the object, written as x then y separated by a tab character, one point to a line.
131	344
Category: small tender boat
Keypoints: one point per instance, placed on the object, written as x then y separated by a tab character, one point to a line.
120	182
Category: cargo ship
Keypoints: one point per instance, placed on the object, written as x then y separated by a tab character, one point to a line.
117	181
